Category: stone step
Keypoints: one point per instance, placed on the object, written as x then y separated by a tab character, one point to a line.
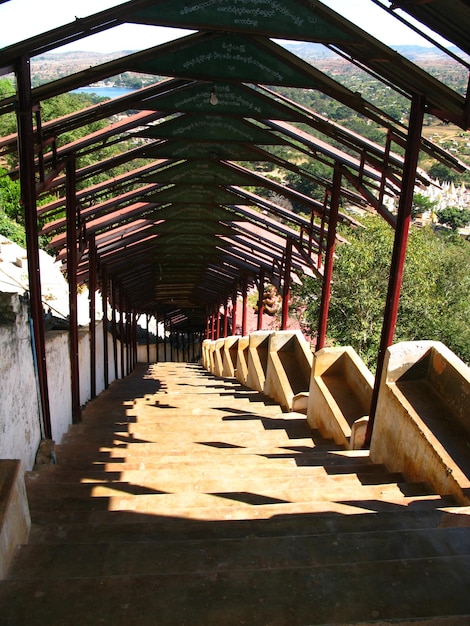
234	555
181	471
217	447
151	528
151	500
302	595
254	424
59	515
233	479
177	441
337	462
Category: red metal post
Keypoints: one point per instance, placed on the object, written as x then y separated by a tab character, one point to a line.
72	259
218	335
121	331
156	339
415	127
244	307
286	285
134	338
234	310
147	336
329	255
225	318
104	304
259	325
164	339
92	270
114	327
28	197
322	230
171	342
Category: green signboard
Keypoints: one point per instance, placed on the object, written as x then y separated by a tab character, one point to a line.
221	98
224	57
194	194
211	128
193	213
201	173
288	19
206	150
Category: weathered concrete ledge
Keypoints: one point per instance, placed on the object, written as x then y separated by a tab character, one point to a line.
229	356
241	371
340	393
15	520
258	359
205	354
289	365
422	424
218	357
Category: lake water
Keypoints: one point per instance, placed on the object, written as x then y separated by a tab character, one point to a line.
105	92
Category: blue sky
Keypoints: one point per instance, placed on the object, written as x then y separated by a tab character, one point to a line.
43	15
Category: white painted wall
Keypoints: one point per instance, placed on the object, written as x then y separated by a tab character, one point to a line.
58	376
20	432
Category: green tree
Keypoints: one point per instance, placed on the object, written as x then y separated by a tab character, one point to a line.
434	302
11	213
454	217
442	173
421	204
8	120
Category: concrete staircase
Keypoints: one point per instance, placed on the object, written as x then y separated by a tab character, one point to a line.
182	499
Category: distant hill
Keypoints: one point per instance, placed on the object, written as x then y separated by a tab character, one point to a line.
53	65
315	51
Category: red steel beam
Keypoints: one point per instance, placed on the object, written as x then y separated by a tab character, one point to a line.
329	256
259	325
104	300
28	197
234	310
244	307
286	285
92	261
415	127
72	261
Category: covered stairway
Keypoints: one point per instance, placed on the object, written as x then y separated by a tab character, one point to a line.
180	498
186	499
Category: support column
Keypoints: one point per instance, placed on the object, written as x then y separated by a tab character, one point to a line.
72	258
114	328
157	359
164	338
147	321
212	325
244	308
217	332
104	305
234	310
92	269
121	332
286	285
402	228
134	338
28	197
329	257
259	325
225	318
